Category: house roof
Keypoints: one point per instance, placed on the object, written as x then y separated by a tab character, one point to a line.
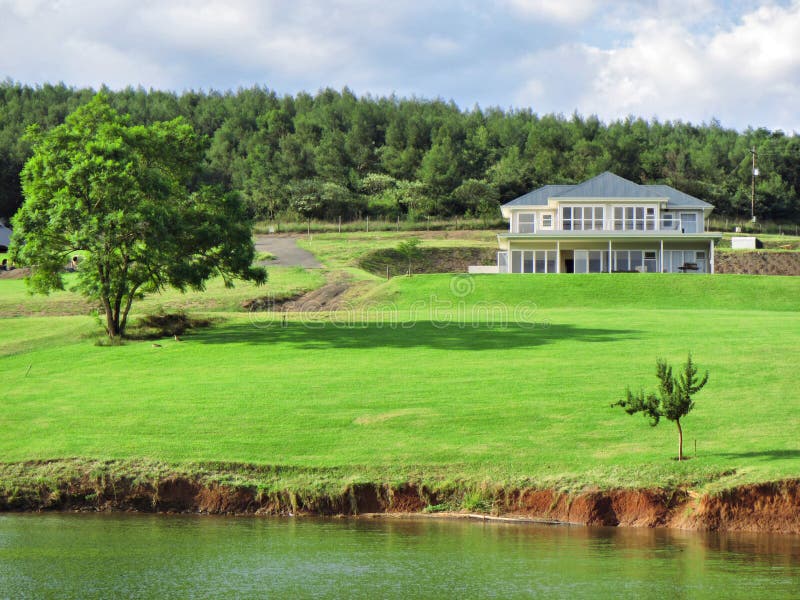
539	197
608	185
5	235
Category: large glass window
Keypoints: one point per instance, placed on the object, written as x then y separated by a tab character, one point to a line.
552	257
634	218
526	222
619	218
685	261
566	218
527	261
650	218
596	261
636	260
581	261
547	221
582	218
598	218
533	261
502	262
689	222
590	261
650	262
516	262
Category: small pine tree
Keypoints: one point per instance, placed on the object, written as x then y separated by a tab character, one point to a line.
673	400
410	250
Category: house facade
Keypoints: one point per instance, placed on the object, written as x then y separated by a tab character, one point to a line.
606	224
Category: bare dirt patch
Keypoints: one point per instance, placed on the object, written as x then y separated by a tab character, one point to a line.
431	260
15	273
758	263
334	295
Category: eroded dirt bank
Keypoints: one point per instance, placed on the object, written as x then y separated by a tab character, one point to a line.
769	507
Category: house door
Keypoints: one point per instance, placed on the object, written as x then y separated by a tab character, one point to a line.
569	265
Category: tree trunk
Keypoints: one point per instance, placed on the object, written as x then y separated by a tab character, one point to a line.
112	325
680	440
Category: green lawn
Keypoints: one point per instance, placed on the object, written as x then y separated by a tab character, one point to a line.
406	394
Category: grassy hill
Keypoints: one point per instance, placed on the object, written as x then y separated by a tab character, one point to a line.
421	381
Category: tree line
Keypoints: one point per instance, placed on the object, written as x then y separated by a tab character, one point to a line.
334	154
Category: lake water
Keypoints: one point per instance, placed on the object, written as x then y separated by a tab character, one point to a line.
157	556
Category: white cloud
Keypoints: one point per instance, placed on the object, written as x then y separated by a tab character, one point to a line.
563	11
748	73
677	59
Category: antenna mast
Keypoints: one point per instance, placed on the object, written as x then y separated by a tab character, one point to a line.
754	173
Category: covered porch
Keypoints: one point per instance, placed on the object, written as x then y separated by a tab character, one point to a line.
607	256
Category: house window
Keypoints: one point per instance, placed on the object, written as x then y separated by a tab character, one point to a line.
527	261
650	218
526	222
619	218
595	261
634	218
582	218
599	217
547	221
566	218
689	222
590	261
533	261
502	262
516	262
650	262
667	221
628	260
685	261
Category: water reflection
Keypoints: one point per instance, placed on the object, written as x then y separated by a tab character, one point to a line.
78	556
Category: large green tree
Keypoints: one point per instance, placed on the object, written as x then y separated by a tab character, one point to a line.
120	196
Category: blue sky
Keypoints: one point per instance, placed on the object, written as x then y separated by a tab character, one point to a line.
692	60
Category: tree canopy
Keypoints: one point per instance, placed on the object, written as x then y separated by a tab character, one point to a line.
267	147
121	197
673	401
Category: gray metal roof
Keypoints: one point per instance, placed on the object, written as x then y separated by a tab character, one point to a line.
5	235
539	197
679	199
608	185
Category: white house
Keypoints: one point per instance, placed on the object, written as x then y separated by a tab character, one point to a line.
606	224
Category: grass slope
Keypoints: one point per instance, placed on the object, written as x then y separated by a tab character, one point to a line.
284	282
595	291
415	397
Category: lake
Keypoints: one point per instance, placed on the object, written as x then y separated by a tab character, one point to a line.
176	556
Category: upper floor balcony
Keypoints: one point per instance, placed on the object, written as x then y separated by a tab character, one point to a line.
621	220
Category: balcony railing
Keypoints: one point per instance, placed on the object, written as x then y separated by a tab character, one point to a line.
673	225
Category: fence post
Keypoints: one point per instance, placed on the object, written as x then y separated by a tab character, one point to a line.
340	223
367	223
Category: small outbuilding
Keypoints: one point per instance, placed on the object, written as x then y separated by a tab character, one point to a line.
746	243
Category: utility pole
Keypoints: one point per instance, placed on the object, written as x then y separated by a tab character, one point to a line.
754	172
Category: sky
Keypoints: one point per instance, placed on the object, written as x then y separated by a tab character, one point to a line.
690	60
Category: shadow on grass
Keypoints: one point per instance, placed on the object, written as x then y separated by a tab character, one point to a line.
410	335
765	454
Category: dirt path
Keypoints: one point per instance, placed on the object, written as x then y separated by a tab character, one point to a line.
285	249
